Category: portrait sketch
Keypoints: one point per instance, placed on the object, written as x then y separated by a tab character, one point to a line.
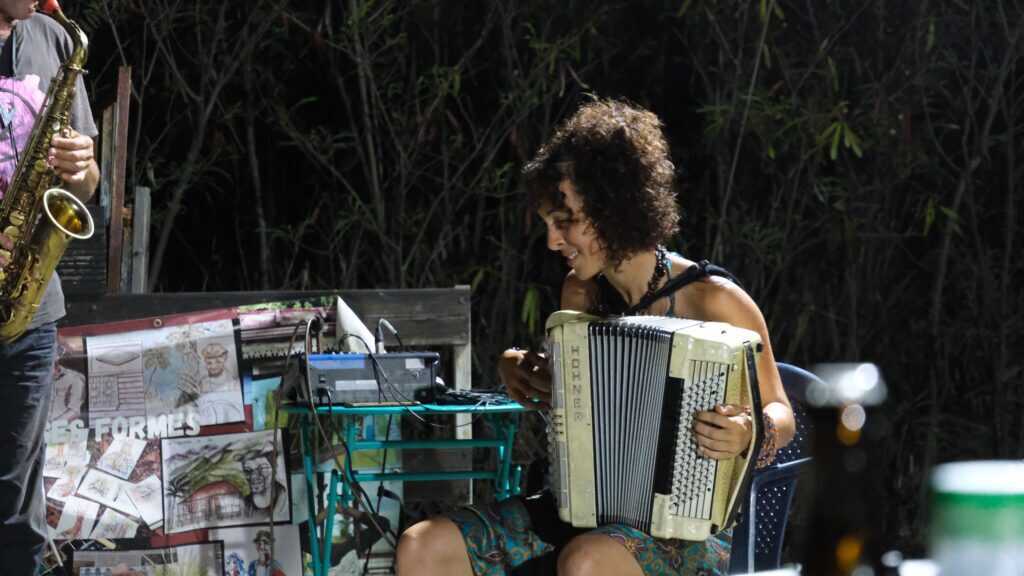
224	480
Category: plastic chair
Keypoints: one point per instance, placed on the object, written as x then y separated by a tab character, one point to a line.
758	545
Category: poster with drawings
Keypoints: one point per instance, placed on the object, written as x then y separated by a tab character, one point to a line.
198	559
147	497
77	517
101	487
225	480
121	456
114	525
189	367
69	387
129	505
260	550
67	482
61	455
115	378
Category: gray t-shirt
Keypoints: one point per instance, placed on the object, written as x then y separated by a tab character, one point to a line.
40	45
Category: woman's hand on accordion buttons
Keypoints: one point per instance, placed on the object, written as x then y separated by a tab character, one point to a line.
723	433
526	377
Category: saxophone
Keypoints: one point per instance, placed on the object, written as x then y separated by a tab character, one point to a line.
39	218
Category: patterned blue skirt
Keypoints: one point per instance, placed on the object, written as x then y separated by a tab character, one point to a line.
512	532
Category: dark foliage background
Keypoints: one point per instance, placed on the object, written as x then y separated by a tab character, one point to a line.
853	162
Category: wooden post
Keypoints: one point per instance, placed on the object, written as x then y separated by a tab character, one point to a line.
120	149
140	240
106	170
463	358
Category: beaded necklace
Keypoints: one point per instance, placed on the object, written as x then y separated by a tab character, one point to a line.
609	302
660	269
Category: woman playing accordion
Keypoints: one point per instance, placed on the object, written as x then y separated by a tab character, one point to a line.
604	186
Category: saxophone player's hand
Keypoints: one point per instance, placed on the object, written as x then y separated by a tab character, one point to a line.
71	156
5	250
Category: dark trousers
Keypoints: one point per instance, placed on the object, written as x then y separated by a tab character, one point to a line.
26	387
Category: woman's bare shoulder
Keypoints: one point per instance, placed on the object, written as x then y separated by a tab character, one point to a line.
715	298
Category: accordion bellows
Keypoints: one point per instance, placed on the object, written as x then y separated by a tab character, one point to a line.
624	393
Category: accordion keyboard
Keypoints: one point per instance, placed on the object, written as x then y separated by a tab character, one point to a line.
693	476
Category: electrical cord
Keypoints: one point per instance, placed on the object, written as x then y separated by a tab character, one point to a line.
357	489
390	392
380	491
383	323
276	442
314	325
396	394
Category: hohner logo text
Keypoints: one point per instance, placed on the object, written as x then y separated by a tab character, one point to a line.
577	384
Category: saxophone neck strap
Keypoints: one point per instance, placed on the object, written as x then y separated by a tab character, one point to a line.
696	272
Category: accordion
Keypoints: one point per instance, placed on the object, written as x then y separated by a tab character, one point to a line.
624	394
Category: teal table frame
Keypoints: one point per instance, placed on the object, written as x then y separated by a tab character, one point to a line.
503	417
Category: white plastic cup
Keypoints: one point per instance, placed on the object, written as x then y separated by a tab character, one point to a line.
977	524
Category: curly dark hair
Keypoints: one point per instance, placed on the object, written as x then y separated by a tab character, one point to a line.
617	157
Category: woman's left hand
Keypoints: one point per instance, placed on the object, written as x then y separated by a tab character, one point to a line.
722	433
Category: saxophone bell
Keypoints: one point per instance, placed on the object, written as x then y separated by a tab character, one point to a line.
68	214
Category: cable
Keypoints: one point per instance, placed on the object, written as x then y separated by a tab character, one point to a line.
383	322
380	491
357	489
356	486
380	374
388	391
396	393
276	448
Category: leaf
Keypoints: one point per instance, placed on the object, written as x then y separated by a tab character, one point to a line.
684	8
954	219
456	81
929	215
530	312
835	74
778	12
851	140
930	40
836	134
477	278
949	213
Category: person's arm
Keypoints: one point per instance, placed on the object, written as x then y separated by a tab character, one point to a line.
73	157
525	373
726	432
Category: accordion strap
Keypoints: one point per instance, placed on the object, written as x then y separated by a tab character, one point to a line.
699	270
